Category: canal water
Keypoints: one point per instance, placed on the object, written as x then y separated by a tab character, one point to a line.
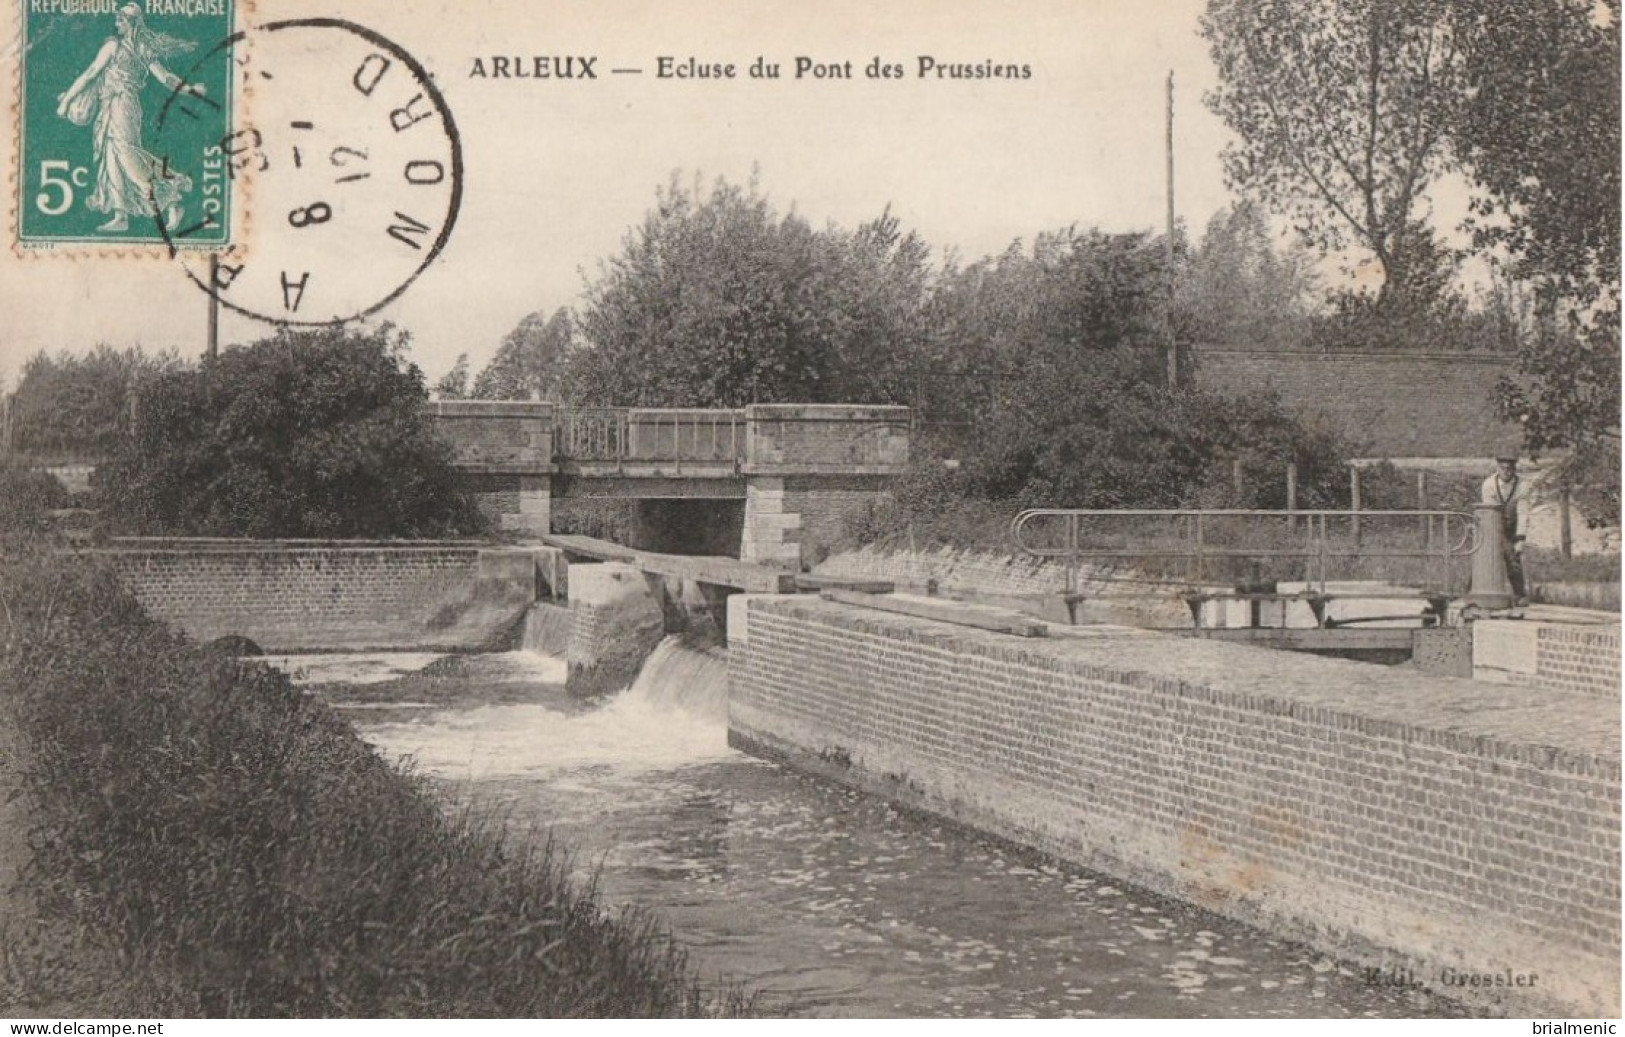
828	902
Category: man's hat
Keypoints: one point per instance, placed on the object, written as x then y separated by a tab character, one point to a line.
1506	460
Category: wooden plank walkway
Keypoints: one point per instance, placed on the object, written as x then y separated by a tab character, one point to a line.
712	569
982	617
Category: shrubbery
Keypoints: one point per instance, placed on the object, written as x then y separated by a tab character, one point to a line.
307	434
230	832
78	407
26	494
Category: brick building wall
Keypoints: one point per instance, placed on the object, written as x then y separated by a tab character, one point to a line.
1405	820
1388	404
1586	661
495	495
291	595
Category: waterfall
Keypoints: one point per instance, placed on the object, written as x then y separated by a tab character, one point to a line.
673	715
684	677
547	629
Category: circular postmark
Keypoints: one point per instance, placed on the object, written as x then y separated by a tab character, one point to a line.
355	169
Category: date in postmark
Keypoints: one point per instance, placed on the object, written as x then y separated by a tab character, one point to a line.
356	167
100	81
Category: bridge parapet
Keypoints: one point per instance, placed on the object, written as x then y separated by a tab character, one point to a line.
825	439
761	439
497	436
646	435
802	469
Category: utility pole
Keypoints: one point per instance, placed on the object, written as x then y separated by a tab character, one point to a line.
1168	318
212	348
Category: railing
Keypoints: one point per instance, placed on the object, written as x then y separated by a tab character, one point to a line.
590	434
622	435
1252	547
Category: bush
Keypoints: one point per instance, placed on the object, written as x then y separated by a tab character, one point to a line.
26	494
1385	487
79	406
307	434
230	831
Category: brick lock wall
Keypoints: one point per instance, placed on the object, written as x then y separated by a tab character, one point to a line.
1585	661
290	597
1403	819
615	622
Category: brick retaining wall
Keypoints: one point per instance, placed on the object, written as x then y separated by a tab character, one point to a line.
293	595
1406	820
1578	659
1554	656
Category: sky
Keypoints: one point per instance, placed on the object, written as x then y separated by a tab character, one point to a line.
556	172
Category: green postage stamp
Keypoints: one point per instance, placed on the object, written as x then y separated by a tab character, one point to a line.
123	112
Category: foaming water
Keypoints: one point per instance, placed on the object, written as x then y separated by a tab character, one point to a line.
829	902
674	715
684	678
349	667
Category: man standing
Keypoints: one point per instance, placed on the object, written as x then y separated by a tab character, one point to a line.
1511	494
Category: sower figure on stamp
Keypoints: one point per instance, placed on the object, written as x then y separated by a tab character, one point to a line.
129	179
1510	493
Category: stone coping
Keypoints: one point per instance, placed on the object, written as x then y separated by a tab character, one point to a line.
200	545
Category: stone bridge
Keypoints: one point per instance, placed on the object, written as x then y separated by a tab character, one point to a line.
799	471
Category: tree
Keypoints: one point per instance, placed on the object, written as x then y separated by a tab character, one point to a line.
80	406
1539	133
1052	363
453	385
530	360
311	433
1007	332
1567	399
717	301
1541	136
1238	288
1342	111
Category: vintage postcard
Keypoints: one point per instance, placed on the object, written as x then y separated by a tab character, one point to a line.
950	508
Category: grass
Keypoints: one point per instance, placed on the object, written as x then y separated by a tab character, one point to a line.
1548	564
222	830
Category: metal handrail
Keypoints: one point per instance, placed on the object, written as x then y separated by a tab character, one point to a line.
592	434
1192	528
649	435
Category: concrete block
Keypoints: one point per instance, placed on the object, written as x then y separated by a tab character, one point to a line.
1446	651
605	583
769	524
552	572
1505	645
513	567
